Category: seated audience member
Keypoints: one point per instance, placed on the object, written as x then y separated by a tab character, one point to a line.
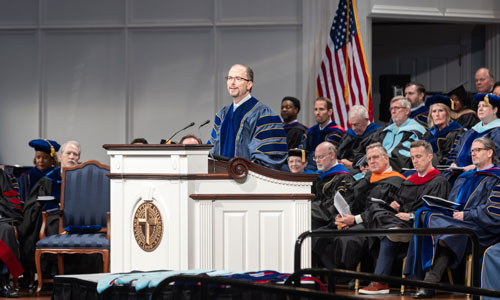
484	80
397	137
325	130
9	249
50	185
443	133
415	93
190	139
461	107
45	160
333	177
401	211
381	182
139	141
488	126
477	197
290	108
297	161
361	134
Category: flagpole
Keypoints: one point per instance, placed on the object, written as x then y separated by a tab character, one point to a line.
346	85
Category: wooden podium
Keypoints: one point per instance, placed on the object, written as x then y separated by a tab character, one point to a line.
172	207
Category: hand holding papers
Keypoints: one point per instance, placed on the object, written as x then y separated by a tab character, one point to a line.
433	201
341	205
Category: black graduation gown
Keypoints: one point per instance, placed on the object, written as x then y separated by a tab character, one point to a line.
294	132
353	147
9	210
409	198
29	229
323	211
349	250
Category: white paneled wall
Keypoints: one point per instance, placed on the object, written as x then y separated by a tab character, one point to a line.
108	71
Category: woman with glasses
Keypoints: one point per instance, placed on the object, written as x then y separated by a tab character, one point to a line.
460	106
442	130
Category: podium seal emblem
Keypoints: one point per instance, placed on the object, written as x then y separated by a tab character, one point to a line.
148	226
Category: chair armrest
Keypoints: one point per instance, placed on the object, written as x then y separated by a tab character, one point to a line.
44	221
108	226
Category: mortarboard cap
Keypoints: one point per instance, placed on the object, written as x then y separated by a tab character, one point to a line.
45	145
437	98
461	94
298	152
488	99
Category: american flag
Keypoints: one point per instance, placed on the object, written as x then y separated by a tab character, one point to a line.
344	75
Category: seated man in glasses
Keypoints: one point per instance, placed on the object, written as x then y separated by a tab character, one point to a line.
381	182
333	177
397	137
248	128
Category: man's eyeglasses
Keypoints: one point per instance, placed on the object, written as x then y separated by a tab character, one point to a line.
476	150
237	78
320	157
396	108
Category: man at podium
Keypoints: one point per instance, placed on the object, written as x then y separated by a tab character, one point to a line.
248	128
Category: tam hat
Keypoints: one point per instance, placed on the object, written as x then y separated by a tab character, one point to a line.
298	152
439	99
461	94
48	146
488	99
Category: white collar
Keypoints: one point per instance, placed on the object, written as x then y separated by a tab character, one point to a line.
329	121
236	105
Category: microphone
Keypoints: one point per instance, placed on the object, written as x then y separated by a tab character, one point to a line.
170	139
203	124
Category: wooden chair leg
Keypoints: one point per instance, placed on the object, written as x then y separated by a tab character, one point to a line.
60	264
402	290
38	254
105	262
468	271
356	282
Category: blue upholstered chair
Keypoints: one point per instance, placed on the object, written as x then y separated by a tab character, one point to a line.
83	219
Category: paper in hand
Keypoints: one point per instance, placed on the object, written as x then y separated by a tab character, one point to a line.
341	205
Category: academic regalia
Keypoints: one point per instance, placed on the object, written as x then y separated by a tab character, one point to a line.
348	250
29	229
460	154
323	211
409	197
477	194
420	115
444	140
9	208
467	118
489	270
252	131
397	141
353	147
314	136
294	132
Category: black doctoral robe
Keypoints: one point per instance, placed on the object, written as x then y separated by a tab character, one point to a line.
347	251
323	211
353	147
29	230
409	197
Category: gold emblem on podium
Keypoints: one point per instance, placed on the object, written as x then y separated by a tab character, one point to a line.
148	226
